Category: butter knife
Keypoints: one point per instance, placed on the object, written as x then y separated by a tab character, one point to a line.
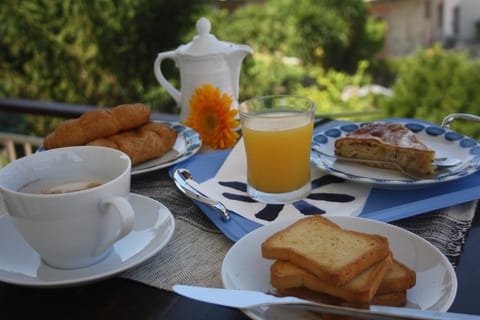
245	299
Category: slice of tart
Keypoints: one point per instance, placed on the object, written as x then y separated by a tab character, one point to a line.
391	142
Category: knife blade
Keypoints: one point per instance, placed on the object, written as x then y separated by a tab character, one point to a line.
245	299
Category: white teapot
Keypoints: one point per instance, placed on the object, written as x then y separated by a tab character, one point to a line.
205	60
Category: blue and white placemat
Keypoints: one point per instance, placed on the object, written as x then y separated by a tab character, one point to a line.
330	195
381	204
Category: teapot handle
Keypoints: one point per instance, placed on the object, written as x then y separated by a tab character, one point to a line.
158	73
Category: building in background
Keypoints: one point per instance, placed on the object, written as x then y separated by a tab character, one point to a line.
414	24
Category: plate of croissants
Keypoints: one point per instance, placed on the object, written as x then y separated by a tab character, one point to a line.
150	144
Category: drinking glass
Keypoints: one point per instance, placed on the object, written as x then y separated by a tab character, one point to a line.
277	132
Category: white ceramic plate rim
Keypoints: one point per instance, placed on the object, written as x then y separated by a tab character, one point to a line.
390	179
143	243
244	268
187	144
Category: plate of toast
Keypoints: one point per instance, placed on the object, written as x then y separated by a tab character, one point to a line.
340	260
151	145
411	144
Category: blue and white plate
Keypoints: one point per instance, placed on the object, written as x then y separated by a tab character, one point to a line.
446	143
187	144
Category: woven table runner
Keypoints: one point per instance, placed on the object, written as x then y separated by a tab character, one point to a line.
195	253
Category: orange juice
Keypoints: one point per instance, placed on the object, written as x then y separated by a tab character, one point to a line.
278	151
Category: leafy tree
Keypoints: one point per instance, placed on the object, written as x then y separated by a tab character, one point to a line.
293	39
433	83
328	90
88	52
101	52
334	34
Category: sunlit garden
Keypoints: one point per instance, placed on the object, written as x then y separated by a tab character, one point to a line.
101	54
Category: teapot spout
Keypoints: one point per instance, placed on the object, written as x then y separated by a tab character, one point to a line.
234	61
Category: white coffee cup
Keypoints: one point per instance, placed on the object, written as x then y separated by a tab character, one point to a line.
70	228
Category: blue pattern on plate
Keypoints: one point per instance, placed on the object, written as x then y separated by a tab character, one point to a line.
193	139
475	150
334	133
468	143
320	139
453	136
349	127
415	127
435	131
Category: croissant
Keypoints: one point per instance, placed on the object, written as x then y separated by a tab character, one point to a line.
144	143
97	124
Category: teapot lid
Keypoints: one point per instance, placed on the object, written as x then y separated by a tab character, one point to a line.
204	42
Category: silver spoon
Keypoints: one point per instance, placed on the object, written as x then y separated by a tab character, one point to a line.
445	162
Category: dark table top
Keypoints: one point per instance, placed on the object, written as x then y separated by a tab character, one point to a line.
118	298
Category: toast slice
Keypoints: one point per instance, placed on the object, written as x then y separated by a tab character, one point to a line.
360	290
392	299
398	278
333	254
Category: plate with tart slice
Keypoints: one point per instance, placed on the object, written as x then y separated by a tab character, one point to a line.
244	267
444	142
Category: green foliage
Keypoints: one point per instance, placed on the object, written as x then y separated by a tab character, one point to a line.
101	52
296	42
3	161
88	52
334	34
328	89
434	83
265	75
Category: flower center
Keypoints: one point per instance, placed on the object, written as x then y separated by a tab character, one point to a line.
211	122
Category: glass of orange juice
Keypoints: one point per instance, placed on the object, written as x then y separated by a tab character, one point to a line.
277	132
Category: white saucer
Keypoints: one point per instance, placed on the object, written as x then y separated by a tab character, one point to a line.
21	265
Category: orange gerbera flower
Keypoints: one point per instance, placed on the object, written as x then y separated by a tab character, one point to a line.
211	116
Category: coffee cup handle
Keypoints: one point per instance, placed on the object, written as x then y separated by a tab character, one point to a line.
127	217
